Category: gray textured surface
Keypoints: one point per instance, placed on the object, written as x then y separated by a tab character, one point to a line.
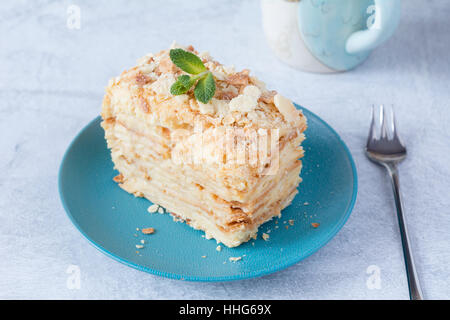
51	85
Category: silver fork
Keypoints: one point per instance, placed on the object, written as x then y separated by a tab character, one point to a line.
385	148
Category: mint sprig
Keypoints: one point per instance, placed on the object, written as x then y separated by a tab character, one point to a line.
190	63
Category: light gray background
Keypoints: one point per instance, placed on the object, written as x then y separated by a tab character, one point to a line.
51	85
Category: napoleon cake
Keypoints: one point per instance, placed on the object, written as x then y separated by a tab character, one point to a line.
211	145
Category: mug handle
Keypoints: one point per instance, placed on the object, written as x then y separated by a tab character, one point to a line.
387	16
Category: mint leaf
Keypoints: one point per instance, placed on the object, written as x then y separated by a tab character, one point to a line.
187	61
182	85
186	81
178	88
205	89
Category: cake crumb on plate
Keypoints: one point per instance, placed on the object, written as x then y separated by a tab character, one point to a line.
148	230
234	259
153	208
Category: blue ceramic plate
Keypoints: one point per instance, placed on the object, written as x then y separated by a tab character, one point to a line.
108	216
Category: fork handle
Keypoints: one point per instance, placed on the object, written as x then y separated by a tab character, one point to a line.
415	291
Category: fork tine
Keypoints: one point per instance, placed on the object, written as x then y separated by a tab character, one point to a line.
372	127
394	126
383	121
395	135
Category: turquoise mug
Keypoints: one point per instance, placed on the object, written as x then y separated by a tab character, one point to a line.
328	35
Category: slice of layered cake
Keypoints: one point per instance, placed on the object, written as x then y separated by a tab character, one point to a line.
211	145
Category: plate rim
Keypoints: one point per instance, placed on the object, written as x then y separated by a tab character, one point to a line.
243	276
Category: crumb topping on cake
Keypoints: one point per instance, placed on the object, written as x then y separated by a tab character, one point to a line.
240	100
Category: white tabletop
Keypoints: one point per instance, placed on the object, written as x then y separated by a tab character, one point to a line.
52	80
